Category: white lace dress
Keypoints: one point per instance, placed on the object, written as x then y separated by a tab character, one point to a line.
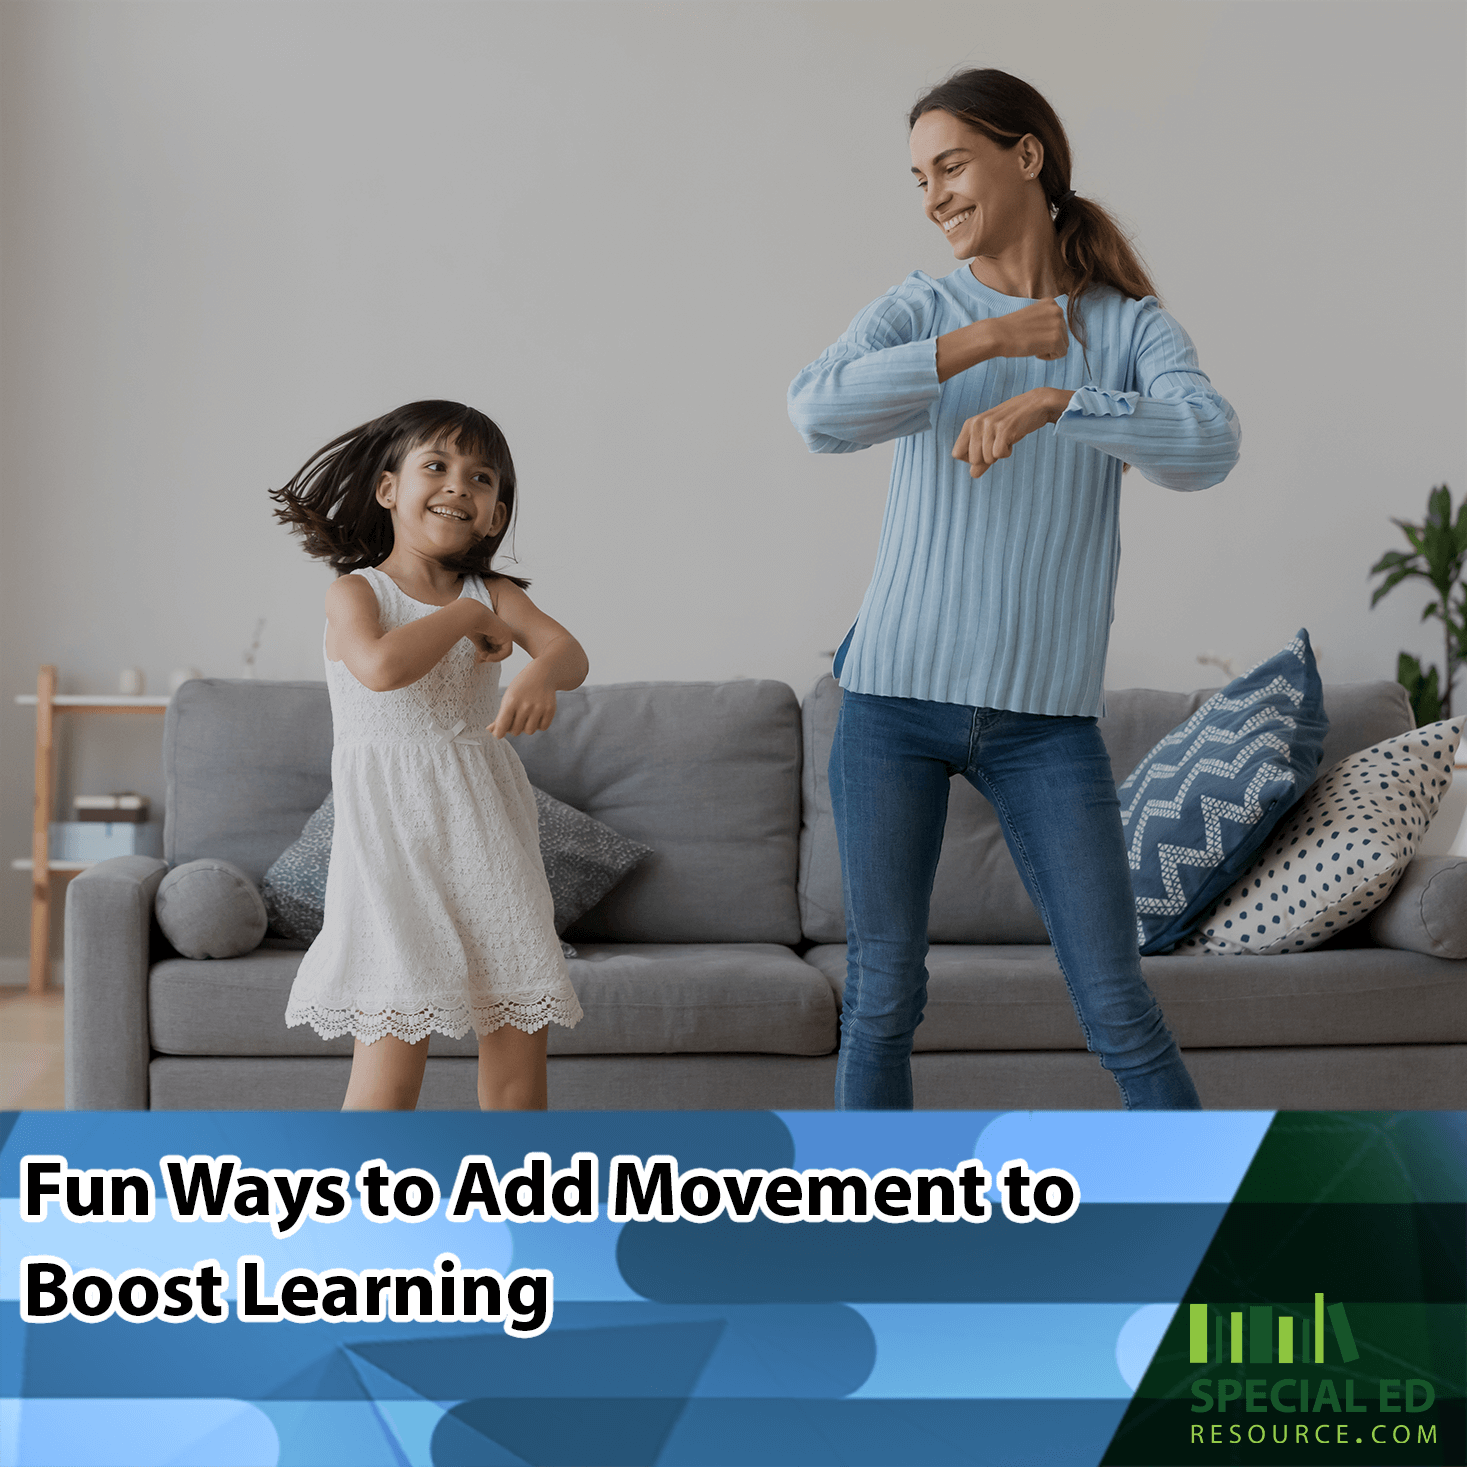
438	916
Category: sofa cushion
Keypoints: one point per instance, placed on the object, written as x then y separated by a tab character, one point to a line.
244	763
1427	911
1208	794
210	909
1013	997
1338	853
638	999
725	998
708	775
978	896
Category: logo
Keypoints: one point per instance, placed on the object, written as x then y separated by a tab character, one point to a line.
1299	1407
1265	1347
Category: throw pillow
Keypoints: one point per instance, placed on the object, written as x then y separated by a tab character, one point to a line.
1427	911
1205	798
210	909
583	860
294	886
1341	852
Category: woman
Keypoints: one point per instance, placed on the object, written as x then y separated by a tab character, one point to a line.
1017	388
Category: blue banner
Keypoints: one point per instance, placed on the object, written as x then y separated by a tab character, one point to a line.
420	1290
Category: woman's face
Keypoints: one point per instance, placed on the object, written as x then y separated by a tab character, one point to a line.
972	189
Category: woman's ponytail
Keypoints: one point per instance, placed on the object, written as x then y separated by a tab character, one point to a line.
1096	251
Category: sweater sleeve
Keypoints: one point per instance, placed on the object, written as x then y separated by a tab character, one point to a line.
1176	428
878	382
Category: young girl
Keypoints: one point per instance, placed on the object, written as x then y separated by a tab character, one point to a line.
438	915
980	646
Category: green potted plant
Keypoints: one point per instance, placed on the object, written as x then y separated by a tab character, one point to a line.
1438	554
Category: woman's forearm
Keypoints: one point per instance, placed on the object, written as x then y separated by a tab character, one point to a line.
966	347
1186	442
1058	399
849	399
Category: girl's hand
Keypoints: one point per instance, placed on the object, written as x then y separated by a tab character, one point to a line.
493	641
528	705
992	435
1035	331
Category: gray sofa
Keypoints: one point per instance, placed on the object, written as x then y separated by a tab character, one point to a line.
711	976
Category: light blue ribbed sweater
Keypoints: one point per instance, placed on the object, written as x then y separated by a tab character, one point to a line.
998	592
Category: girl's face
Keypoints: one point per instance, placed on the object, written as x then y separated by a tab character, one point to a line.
972	189
442	501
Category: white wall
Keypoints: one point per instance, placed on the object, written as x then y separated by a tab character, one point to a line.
233	230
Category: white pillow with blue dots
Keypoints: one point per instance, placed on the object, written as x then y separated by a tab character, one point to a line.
1336	855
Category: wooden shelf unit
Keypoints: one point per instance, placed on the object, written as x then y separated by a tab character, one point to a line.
48	703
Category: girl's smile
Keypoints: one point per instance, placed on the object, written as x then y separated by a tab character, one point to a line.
449	497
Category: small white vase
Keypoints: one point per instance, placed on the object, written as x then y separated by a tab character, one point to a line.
181	675
131	682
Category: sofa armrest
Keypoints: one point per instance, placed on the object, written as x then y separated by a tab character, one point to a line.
109	919
1427	910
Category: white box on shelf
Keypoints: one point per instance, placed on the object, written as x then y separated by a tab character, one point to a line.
96	840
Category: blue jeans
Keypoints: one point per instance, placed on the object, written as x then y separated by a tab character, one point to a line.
1051	783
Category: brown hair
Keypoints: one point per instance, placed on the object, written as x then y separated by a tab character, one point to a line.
1091	244
331	503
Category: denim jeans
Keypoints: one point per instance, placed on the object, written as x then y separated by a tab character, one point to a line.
1050	781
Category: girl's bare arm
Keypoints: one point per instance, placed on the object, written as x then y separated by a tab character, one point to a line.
382	660
559	662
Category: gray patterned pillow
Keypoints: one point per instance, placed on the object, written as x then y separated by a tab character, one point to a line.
583	859
294	887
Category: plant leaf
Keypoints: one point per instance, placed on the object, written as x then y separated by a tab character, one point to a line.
1392	581
1427	703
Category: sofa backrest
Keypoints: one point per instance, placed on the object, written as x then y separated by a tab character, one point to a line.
707	774
245	763
978	896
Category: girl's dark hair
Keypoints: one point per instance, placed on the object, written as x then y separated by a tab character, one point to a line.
1091	243
331	503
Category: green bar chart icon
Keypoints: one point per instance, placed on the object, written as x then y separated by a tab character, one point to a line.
1197	1334
1260	1335
1265	1344
1343	1333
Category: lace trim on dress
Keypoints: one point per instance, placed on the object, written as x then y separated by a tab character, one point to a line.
452	1019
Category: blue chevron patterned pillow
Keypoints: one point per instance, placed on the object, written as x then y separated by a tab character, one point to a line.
1205	798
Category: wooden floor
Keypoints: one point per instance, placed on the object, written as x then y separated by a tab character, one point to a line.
32	1074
